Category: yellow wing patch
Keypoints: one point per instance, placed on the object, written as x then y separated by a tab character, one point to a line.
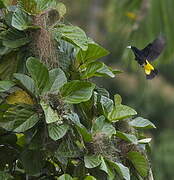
148	68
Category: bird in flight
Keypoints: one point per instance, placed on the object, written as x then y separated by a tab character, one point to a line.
145	56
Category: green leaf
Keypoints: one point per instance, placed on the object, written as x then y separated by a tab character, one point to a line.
76	91
66	54
101	126
121	112
8	66
141	123
87	136
122	170
61	8
20	120
26	81
140	163
105	71
103	166
90	178
5	176
68	149
21	20
117	99
34	7
38	72
106	104
44	5
144	141
102	92
13	38
2	4
127	137
21	139
98	69
92	161
91	54
6	85
6	3
50	115
91	69
72	34
4	50
57	79
32	161
57	131
65	177
28	6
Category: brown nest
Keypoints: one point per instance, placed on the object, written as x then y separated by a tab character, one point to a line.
43	45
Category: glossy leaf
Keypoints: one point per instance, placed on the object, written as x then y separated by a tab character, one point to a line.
106	105
21	120
103	166
34	7
141	123
105	71
117	99
65	177
61	8
75	92
101	126
8	66
92	161
91	54
87	136
21	20
144	141
28	6
90	178
140	162
122	170
97	69
57	131
102	92
68	149
66	53
6	85
13	38
50	115
73	34
38	72
91	69
57	79
127	137
26	81
121	112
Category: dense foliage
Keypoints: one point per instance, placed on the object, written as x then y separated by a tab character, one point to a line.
54	122
122	23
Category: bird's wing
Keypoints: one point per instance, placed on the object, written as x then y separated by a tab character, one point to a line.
154	49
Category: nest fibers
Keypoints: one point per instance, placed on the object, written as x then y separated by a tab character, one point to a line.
43	45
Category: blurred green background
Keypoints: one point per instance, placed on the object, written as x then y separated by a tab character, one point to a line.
116	24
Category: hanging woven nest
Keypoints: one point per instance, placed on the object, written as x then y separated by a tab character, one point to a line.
43	45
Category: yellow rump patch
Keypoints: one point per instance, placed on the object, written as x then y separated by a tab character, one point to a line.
148	68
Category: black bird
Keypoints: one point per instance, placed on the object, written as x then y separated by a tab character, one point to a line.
149	54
